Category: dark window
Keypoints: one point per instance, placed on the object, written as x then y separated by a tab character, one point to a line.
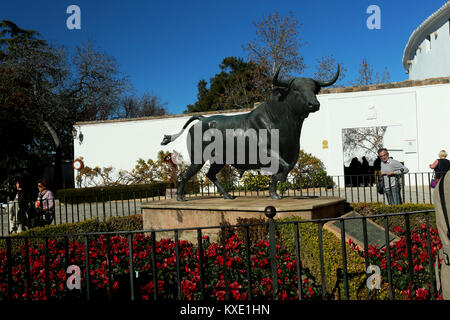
428	43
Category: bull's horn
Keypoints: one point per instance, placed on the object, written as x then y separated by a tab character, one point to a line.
332	81
279	83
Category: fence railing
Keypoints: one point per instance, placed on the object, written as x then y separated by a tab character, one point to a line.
137	265
356	188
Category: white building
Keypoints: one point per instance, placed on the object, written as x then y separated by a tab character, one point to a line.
427	53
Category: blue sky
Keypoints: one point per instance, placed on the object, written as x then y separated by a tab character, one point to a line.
166	47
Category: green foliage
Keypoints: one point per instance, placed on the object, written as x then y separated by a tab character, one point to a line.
238	85
144	172
43	92
256	182
258	230
315	179
107	193
309	172
28	78
126	223
332	257
120	192
416	220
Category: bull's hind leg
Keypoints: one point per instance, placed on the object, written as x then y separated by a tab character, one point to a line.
189	173
212	172
279	177
273	187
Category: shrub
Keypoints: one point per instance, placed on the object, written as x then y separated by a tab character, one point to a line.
308	172
333	262
256	182
119	192
416	220
126	223
332	257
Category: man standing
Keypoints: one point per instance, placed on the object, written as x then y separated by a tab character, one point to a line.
391	170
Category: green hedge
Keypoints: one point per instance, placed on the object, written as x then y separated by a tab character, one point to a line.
119	192
332	249
416	220
310	256
127	223
332	257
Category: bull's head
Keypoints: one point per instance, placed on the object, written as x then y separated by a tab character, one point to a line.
300	93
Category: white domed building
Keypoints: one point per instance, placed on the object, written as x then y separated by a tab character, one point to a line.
427	53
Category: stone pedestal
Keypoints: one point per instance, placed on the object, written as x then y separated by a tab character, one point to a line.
211	212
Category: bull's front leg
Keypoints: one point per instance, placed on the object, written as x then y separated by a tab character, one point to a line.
279	177
188	174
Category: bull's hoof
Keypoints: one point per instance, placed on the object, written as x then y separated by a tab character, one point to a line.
275	196
181	198
229	197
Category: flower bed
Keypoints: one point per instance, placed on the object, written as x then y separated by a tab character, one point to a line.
110	273
398	251
116	265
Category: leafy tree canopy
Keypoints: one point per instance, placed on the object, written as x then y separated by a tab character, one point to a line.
239	84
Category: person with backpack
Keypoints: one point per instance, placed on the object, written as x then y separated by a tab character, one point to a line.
391	171
441	165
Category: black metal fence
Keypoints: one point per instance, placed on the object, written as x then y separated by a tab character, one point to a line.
135	265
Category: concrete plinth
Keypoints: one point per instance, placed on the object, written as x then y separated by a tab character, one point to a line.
209	212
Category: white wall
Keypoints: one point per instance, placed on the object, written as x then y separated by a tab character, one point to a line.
417	120
432	59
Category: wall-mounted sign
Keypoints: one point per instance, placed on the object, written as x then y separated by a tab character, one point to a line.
410	146
371	113
325	144
77	164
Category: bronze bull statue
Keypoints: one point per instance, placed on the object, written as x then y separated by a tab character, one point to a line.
273	127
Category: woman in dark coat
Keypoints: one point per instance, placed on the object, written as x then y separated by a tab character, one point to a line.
441	165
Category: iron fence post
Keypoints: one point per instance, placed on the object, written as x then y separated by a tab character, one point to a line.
270	213
9	266
103	203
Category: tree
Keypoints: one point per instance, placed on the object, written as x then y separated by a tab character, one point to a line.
363	141
385	76
32	73
326	68
42	96
277	44
145	106
239	85
97	84
365	75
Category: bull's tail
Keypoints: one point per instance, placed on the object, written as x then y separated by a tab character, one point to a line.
169	138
